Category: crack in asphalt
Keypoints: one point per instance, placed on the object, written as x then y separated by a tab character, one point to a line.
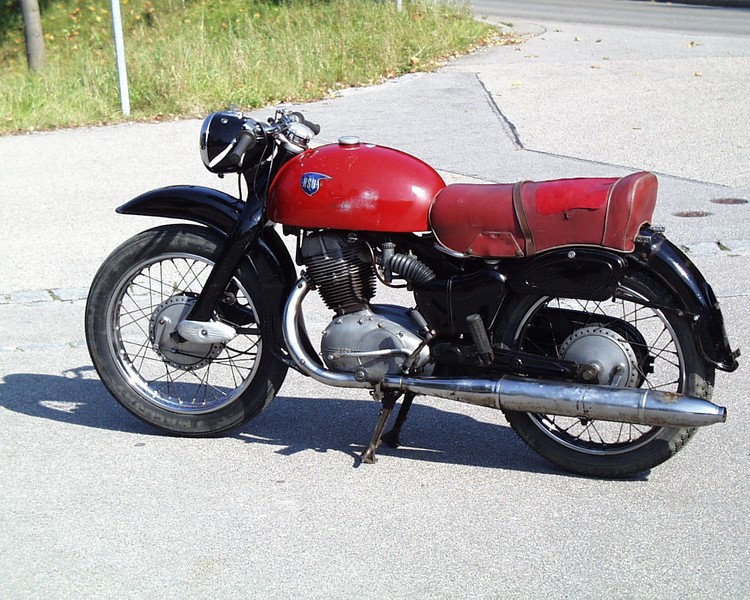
508	125
43	295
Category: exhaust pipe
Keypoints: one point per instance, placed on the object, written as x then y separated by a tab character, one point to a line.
627	405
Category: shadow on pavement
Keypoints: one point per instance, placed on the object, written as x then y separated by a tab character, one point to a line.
430	434
68	398
295	424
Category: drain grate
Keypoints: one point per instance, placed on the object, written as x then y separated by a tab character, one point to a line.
730	201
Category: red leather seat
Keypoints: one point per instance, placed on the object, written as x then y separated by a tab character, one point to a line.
525	218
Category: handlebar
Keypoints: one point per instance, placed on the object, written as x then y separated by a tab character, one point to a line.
300	118
247	138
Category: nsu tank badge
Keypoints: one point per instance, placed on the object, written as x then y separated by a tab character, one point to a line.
310	182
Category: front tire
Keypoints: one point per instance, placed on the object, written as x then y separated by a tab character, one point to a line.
137	298
650	348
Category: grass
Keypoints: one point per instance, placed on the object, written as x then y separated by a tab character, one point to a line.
189	57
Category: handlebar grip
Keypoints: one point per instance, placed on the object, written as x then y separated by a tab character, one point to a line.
245	142
300	118
314	127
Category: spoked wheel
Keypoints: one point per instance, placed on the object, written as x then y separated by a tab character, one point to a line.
629	344
139	296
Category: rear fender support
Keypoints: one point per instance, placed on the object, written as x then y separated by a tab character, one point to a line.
699	303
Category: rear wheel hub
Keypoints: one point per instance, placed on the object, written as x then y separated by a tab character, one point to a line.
606	351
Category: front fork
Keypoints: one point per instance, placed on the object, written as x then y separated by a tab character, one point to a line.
243	235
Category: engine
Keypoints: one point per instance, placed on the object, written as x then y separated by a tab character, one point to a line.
371	340
340	269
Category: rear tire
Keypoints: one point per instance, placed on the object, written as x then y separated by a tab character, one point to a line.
182	387
660	349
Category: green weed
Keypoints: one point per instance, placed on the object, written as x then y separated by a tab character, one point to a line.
189	57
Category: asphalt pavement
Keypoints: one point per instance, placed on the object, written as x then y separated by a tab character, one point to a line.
94	503
705	17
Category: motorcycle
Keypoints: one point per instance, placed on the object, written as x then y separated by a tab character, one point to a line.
556	302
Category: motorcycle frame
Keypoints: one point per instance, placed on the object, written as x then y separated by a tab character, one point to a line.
245	227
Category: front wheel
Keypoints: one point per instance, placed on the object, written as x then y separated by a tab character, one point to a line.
141	292
633	343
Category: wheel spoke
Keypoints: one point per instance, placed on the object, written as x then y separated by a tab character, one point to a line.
643	333
141	353
177	374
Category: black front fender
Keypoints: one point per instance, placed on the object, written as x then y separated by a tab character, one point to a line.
699	303
220	212
268	256
207	206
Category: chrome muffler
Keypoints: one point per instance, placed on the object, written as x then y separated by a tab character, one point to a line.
606	403
626	405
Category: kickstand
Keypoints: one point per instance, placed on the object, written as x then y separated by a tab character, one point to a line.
393	437
388	400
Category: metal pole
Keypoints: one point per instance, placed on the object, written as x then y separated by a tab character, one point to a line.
122	72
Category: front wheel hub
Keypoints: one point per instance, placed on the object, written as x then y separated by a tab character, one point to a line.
170	345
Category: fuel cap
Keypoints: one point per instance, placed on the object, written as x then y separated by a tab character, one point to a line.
349	140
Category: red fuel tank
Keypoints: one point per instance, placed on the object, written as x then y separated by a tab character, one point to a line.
354	186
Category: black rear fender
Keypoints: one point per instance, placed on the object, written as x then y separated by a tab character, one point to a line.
698	302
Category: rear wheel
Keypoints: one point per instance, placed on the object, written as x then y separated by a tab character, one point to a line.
138	297
631	345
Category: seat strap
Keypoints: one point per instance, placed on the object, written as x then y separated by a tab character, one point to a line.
523	222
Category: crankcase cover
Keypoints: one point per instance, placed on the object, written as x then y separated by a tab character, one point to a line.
354	186
378	340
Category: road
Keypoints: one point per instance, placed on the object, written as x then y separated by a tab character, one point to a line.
654	16
94	504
